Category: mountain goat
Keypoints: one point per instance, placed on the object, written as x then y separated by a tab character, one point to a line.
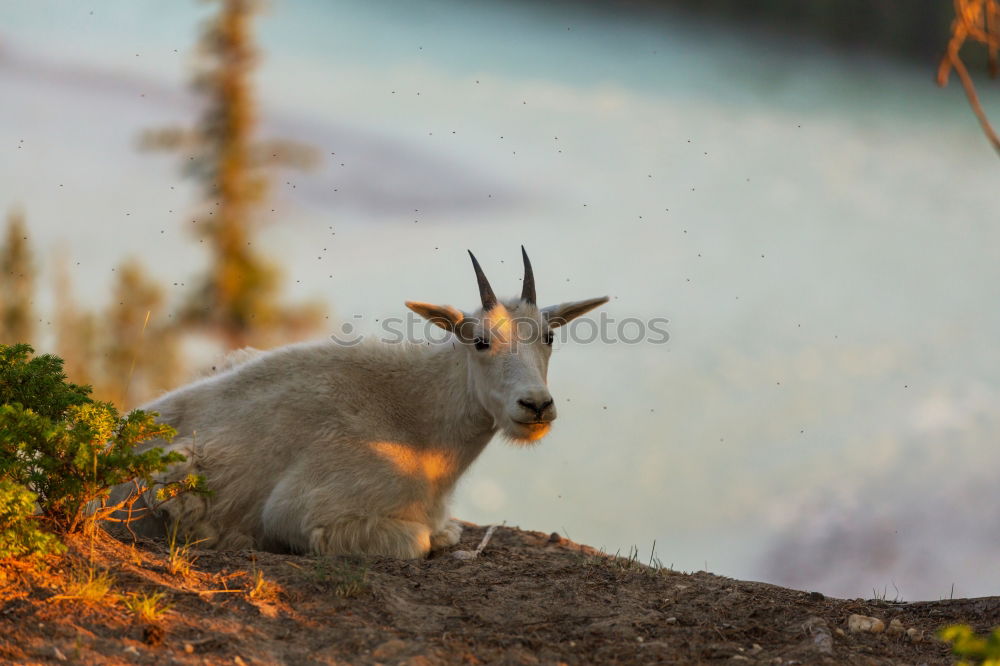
326	448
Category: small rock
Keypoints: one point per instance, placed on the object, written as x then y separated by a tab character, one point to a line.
57	653
238	660
131	650
554	537
895	627
839	631
188	648
816	596
390	649
856	623
863	623
756	648
822	640
671	620
916	635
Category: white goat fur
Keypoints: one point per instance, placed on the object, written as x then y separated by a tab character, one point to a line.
332	449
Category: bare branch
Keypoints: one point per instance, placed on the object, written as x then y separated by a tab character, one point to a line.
975	19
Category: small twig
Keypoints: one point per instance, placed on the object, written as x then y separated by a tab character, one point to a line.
977	108
473	554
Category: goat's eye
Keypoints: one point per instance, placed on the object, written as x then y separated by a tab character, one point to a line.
547	338
481	344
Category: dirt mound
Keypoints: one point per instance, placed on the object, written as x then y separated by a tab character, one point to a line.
528	598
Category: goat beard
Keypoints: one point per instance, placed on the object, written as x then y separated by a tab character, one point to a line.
526	434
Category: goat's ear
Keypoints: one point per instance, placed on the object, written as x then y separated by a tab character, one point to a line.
445	316
557	315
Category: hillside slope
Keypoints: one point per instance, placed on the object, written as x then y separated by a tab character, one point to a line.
528	598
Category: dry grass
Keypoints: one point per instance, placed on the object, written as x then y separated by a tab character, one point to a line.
148	607
89	587
260	588
179	557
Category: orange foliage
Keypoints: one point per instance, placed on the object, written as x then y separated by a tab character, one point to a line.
978	20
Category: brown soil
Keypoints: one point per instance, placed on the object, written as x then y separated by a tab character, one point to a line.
529	598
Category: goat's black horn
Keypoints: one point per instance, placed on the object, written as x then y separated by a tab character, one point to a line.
486	294
528	290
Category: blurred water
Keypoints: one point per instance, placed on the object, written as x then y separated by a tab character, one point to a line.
820	230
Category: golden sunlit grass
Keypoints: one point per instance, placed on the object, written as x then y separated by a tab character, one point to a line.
89	587
260	588
148	607
179	558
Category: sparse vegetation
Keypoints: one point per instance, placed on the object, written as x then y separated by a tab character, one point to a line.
149	607
629	563
260	588
89	587
346	577
179	557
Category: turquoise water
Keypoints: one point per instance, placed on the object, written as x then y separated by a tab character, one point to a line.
820	230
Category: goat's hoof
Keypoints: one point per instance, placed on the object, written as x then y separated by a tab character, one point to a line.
447	537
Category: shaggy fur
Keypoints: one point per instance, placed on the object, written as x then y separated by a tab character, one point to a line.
329	449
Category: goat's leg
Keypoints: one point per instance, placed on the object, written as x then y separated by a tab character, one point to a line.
446	535
371	535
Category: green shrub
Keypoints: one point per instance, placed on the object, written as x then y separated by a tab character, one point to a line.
37	383
66	448
20	534
971	647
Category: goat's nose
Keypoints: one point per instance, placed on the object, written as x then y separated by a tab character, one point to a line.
536	405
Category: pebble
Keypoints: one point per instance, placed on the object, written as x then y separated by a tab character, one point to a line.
916	635
895	628
57	653
822	639
864	623
131	649
188	648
